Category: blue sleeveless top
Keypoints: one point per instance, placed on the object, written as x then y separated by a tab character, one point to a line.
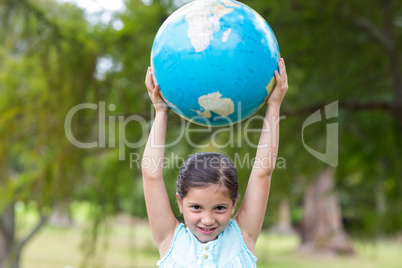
227	251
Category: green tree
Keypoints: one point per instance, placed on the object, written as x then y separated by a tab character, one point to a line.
346	52
48	62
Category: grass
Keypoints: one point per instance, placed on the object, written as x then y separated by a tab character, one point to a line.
130	245
279	251
123	246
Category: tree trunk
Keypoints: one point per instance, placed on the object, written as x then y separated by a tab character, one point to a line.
322	229
284	224
10	246
61	216
7	234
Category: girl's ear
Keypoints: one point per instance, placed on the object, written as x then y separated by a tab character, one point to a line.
234	206
179	202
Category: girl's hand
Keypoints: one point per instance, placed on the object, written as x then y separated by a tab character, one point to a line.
277	95
154	93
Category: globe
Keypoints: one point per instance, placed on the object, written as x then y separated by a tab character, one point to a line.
215	61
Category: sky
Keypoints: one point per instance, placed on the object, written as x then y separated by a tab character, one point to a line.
99	10
93	6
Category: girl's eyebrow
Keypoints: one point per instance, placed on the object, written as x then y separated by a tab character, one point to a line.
196	203
222	204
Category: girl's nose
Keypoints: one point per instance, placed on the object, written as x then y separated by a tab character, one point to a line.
207	220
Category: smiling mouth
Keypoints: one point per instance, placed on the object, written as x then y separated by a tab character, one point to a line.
206	230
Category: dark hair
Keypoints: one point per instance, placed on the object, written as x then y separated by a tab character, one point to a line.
201	169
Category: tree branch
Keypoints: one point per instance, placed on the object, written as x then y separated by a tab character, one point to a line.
375	33
42	221
7	224
373	105
41	16
352	106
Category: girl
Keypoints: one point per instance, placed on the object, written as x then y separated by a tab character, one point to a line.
207	194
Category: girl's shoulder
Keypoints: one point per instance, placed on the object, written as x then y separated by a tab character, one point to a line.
231	238
178	231
182	251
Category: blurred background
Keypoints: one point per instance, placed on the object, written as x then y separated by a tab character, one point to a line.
68	206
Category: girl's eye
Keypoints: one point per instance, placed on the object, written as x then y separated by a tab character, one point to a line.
195	207
220	208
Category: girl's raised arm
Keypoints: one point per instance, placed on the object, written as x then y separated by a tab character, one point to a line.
160	214
252	210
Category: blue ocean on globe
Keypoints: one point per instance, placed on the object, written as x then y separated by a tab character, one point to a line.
215	61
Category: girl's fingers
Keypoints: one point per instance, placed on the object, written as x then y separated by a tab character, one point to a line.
148	80
157	90
147	74
278	78
282	69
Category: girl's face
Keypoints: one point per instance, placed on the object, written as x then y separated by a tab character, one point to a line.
207	211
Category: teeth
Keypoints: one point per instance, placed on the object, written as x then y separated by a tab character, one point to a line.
207	229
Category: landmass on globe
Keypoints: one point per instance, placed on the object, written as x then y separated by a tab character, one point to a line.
225	35
230	3
214	102
270	85
202	25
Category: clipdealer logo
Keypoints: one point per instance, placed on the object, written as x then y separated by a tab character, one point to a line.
331	154
237	134
107	126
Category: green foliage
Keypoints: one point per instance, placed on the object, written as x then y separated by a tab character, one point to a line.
50	58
